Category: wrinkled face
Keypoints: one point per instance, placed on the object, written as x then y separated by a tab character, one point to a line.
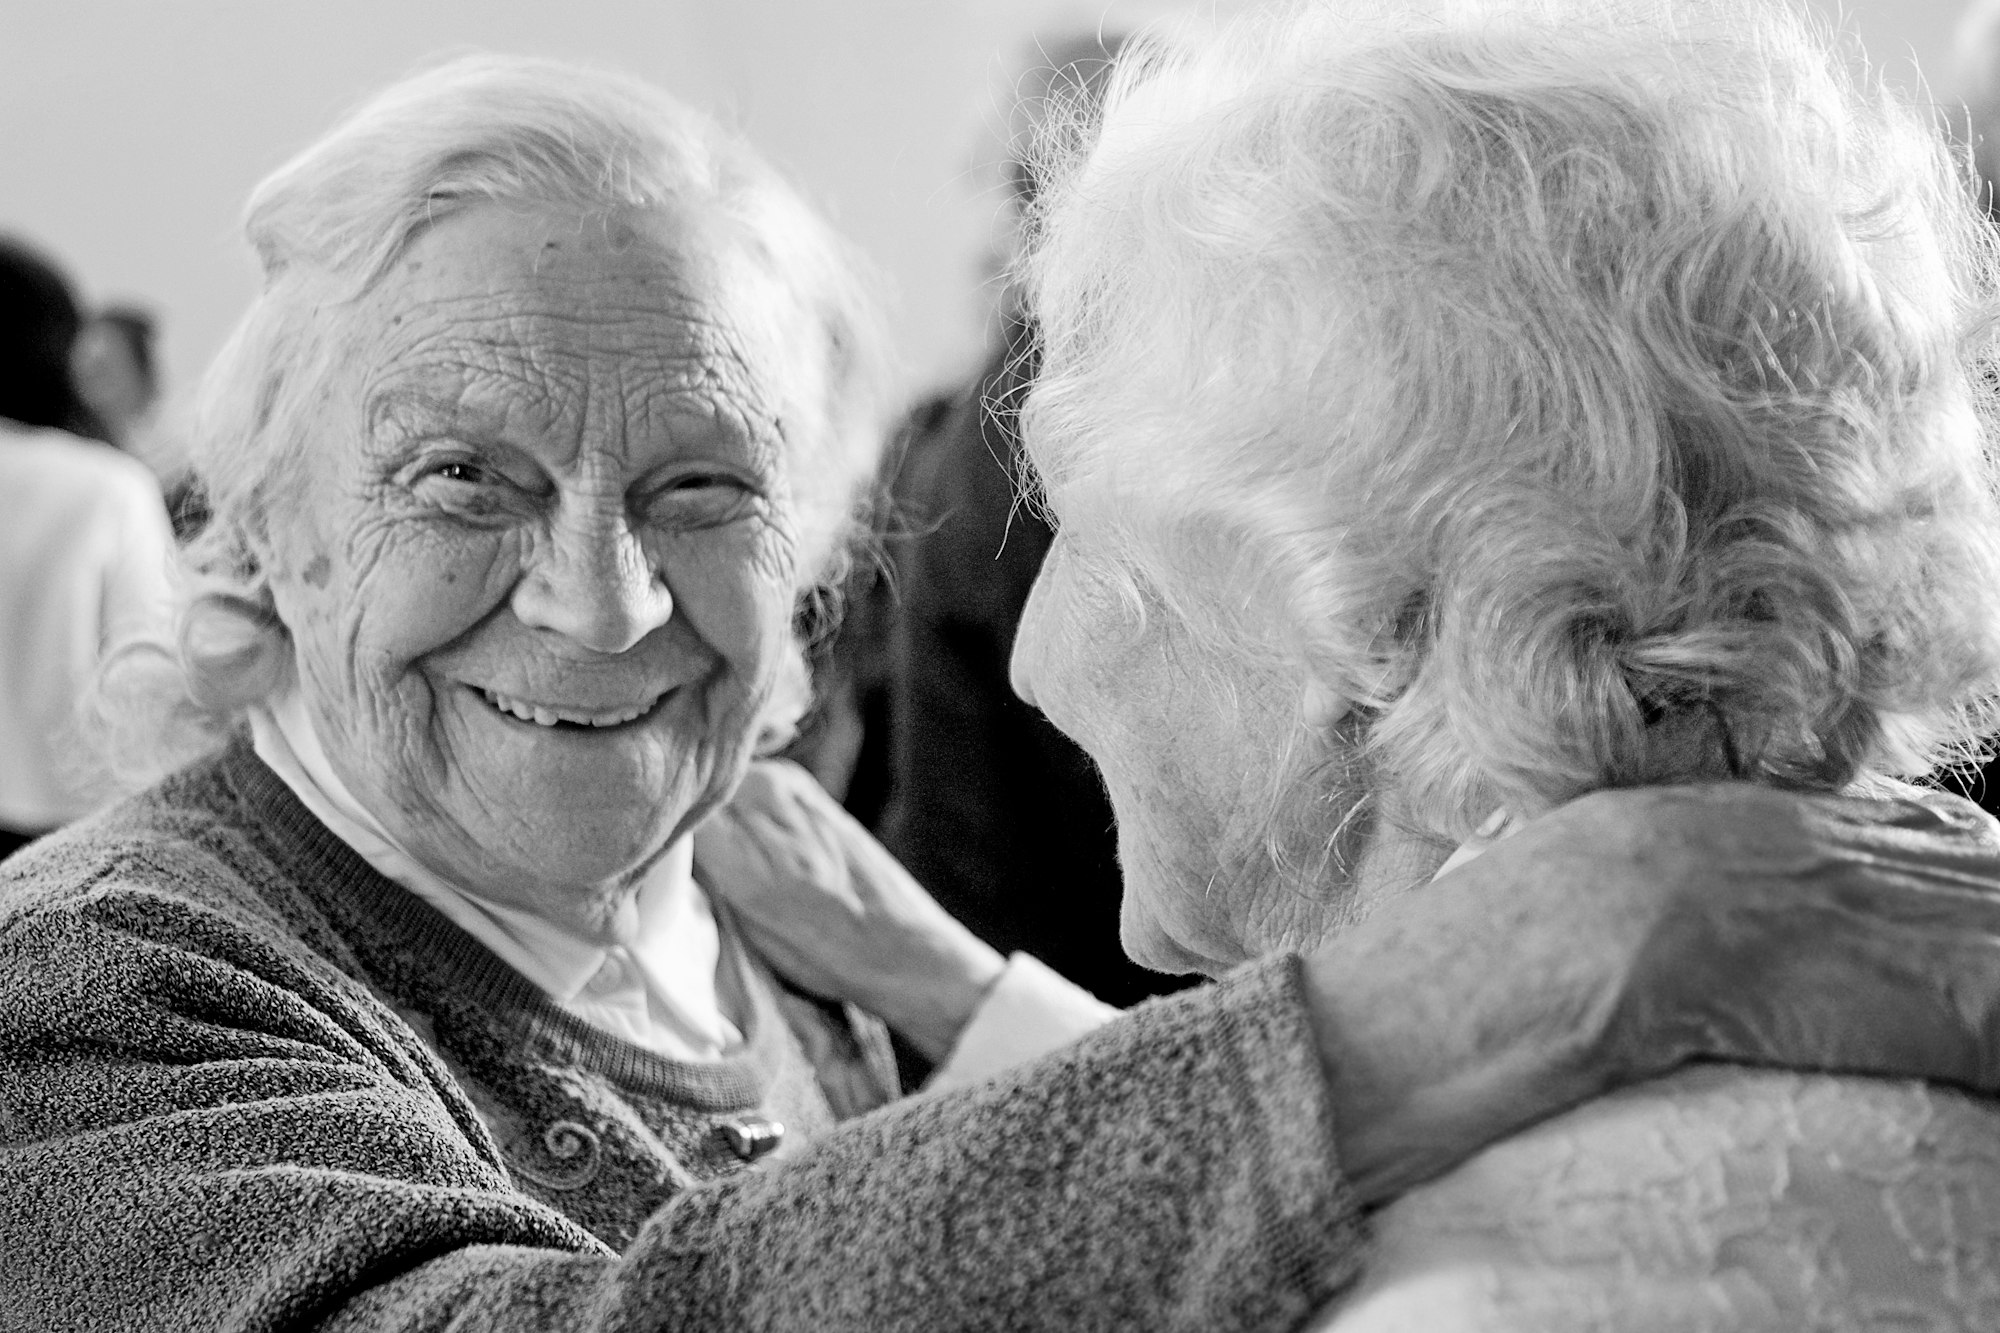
1198	748
539	568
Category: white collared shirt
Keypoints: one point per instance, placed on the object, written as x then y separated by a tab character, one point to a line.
658	988
655	988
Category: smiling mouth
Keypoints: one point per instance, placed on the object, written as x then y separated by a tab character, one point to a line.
547	715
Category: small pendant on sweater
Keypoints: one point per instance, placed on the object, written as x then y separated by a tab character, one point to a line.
750	1139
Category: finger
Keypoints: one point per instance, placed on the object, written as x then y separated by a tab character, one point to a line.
784	779
772	785
804	859
769	795
750	854
790	848
760	780
816	816
721	833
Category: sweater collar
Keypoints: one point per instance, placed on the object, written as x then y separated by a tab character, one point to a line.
654	981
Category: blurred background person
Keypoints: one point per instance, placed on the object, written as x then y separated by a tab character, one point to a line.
84	546
39	324
998	813
115	370
116	366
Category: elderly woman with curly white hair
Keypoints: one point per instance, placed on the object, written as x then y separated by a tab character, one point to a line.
401	1006
1451	410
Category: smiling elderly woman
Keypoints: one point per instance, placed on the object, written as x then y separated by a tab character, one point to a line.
400	1008
1450	409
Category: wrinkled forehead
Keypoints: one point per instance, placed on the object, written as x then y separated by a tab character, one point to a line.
591	326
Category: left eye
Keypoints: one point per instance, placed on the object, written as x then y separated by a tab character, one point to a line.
469	474
699	499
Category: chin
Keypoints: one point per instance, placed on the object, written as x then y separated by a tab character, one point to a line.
1150	938
1151	946
571	833
599	860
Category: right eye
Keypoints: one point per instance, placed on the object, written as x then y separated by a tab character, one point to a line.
699	499
464	484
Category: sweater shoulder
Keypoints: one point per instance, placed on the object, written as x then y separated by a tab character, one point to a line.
186	847
175	928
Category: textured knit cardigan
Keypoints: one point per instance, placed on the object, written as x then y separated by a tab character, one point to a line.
247	1083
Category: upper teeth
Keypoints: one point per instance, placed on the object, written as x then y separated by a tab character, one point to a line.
542	715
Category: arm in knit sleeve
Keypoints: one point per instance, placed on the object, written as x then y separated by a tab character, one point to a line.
203	1131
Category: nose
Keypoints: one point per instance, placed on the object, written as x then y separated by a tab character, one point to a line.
1028	639
592	581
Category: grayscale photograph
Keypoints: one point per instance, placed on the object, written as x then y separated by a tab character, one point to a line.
1022	666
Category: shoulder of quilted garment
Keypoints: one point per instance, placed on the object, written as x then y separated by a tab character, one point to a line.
1717	1198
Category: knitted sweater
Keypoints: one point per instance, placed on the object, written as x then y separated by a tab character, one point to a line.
245	1083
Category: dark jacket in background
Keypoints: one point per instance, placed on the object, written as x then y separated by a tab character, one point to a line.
995	811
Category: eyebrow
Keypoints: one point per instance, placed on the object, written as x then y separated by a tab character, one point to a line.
432	405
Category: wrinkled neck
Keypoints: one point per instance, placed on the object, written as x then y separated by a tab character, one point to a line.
1396	859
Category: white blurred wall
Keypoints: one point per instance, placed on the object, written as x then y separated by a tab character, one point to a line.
131	130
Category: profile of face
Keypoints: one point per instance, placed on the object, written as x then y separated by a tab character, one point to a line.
1199	747
539	567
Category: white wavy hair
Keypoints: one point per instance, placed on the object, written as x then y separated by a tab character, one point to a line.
1552	380
329	223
